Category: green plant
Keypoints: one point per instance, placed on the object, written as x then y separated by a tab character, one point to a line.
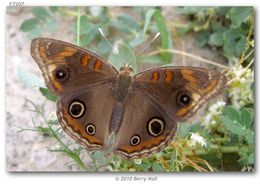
224	28
43	20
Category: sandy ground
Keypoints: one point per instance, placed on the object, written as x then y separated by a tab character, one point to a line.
27	151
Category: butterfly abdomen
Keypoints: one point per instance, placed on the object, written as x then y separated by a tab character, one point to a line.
116	116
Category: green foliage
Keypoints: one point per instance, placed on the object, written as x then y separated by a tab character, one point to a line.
234	42
43	20
230	31
40	13
29	24
51	129
45	92
225	28
223	139
239	15
165	38
130	33
126	52
239	123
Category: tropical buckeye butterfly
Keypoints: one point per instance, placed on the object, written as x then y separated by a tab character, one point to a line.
94	99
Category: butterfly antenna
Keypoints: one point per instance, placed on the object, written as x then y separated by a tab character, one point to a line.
157	35
114	49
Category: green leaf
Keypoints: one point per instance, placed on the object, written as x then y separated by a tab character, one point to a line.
183	130
233	45
239	15
183	30
29	25
202	38
144	166
245	27
90	34
29	79
130	21
251	158
85	27
153	60
85	39
246	118
231	113
126	23
148	16
52	25
157	167
223	10
139	39
46	93
249	136
232	126
40	13
103	47
36	32
54	8
192	10
237	128
217	26
174	156
126	56
216	39
240	45
195	127
166	42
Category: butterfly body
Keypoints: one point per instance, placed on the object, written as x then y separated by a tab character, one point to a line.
123	84
142	110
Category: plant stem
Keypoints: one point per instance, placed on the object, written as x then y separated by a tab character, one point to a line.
188	55
212	148
78	26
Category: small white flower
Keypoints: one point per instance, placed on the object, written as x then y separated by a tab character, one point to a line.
52	116
238	71
207	119
247	169
138	161
132	169
213	122
216	106
195	138
240	91
96	10
215	109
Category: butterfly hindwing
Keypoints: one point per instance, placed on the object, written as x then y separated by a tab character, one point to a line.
86	115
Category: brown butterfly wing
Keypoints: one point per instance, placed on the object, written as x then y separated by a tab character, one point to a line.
83	81
139	111
164	85
156	95
97	109
79	67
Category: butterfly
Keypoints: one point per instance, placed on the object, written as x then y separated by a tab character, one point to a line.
142	110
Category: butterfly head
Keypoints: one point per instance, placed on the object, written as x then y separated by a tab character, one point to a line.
126	69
